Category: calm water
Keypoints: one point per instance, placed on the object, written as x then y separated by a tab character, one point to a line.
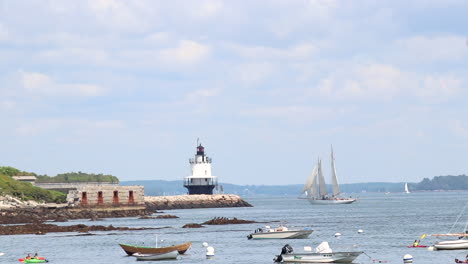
390	223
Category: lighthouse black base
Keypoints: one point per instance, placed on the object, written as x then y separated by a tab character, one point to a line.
205	189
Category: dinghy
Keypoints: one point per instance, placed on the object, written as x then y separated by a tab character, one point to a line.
131	249
168	255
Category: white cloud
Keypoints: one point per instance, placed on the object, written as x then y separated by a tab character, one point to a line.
297	113
71	125
385	82
254	73
207	8
41	84
7	105
439	88
157	38
434	49
187	52
297	52
4	34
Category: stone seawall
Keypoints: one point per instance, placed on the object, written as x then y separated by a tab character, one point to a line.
194	201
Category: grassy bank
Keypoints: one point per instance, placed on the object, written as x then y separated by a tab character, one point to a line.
26	191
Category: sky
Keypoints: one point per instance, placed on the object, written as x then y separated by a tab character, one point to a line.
127	87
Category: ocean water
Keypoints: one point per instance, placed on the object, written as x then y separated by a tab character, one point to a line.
390	223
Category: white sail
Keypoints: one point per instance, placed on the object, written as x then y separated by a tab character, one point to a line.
406	188
310	180
322	184
336	187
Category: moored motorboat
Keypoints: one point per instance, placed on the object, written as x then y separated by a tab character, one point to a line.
132	249
162	256
281	232
322	254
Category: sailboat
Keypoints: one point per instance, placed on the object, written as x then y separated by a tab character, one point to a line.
461	242
406	188
316	189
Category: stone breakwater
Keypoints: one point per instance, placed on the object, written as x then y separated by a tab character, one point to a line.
194	201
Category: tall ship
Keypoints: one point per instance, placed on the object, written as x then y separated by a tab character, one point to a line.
201	181
315	188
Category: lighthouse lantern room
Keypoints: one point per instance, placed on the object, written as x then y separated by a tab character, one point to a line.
201	181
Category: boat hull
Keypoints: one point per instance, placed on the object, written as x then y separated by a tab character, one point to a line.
335	257
452	244
290	234
169	255
331	201
130	249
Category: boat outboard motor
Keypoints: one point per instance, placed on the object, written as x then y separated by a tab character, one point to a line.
287	249
249	237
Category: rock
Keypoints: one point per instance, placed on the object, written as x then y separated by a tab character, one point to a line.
227	221
192	225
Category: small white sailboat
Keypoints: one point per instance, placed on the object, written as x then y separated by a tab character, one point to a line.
281	232
406	188
316	189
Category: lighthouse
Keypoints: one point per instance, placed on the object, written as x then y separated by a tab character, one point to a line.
201	181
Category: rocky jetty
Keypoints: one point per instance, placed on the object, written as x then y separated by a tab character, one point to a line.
38	215
41	229
194	201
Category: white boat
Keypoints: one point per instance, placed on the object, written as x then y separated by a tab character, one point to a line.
322	254
316	188
452	244
406	188
162	256
461	242
281	232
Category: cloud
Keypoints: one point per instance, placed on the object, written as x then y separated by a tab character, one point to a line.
296	113
207	8
187	52
41	84
434	49
384	82
254	73
4	34
296	52
72	126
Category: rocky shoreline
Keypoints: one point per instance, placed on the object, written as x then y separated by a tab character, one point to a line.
194	201
42	229
39	215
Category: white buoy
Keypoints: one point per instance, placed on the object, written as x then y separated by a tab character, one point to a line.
307	248
205	244
209	252
1	253
407	258
337	234
360	231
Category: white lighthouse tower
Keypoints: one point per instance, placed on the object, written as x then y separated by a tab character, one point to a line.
201	181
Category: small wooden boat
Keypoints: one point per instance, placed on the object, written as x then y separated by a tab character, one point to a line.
131	249
169	255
